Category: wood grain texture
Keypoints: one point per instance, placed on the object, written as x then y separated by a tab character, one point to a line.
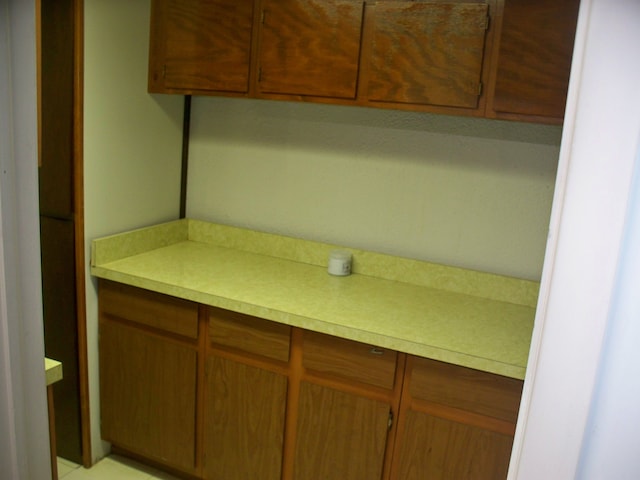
534	57
349	360
427	53
310	47
339	435
439	449
201	44
244	421
148	394
148	308
464	388
249	334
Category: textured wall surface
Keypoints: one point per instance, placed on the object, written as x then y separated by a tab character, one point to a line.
132	143
467	192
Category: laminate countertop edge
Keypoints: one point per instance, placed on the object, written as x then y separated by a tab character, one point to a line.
453	326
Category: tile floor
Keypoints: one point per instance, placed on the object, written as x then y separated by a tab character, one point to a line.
112	467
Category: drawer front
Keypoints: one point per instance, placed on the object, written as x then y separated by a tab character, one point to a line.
464	388
152	309
349	360
249	334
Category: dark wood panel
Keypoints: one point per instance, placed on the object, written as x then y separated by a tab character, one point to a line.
534	58
56	108
339	435
428	53
201	45
310	47
60	329
244	421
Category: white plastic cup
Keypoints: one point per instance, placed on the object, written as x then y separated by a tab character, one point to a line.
339	263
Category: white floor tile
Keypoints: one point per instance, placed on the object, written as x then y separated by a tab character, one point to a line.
116	467
65	467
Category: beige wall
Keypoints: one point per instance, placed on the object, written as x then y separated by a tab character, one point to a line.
132	144
468	192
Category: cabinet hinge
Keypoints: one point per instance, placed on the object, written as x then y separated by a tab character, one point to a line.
390	421
480	89
486	25
259	74
164	70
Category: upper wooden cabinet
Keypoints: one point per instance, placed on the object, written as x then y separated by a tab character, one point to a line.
532	59
496	58
310	47
427	53
200	46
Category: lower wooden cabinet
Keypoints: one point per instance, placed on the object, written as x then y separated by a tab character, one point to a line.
215	394
440	449
454	422
339	435
148	394
244	421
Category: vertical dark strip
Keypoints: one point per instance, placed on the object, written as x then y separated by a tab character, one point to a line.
186	125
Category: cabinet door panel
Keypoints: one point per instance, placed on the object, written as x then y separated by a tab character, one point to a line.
339	435
310	47
440	449
203	44
244	421
427	53
148	395
534	59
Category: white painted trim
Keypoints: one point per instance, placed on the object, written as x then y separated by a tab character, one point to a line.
8	441
552	240
597	158
25	443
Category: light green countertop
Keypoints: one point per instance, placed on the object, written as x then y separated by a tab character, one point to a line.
52	370
469	318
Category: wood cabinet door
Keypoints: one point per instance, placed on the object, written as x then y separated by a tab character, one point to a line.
148	394
441	449
310	47
534	58
244	421
200	45
427	53
339	435
454	422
